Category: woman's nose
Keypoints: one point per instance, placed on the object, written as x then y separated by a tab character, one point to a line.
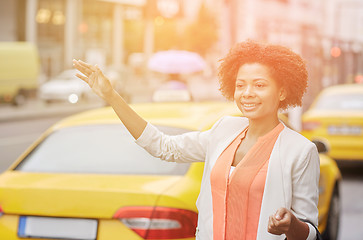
247	92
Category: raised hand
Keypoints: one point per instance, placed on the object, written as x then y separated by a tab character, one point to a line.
94	77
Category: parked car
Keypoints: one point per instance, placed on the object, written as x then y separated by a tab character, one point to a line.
67	87
336	120
86	178
172	91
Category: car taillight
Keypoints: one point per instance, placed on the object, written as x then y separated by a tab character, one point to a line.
7	98
159	222
1	211
310	125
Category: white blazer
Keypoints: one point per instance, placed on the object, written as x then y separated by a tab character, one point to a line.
291	182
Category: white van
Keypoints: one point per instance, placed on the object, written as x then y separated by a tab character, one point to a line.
19	71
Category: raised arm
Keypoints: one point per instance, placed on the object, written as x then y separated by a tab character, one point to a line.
99	83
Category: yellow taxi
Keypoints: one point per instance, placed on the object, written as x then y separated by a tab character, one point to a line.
86	178
336	120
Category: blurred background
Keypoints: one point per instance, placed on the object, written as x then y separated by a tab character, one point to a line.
39	39
121	35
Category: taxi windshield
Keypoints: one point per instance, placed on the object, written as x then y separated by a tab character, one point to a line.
340	102
100	149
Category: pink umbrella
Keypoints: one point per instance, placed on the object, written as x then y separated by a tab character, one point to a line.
176	61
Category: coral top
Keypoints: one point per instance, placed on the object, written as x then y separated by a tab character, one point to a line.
237	198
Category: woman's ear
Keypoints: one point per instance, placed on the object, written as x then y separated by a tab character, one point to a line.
283	94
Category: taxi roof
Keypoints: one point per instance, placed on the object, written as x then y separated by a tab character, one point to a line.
188	115
344	88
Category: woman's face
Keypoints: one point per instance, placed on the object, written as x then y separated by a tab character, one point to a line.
257	94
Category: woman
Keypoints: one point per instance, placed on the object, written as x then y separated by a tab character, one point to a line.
260	179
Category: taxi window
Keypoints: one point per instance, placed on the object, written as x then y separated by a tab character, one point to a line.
341	102
100	149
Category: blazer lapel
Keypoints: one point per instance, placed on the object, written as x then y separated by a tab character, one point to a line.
223	145
274	194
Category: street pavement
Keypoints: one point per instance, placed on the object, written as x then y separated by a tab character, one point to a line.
36	109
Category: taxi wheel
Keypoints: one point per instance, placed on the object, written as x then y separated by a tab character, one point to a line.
19	100
20	97
332	228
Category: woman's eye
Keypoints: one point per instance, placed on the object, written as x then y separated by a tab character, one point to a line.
259	85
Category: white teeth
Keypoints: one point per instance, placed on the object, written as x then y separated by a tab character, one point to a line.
249	105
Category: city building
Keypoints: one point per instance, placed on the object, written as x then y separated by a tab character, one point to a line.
329	34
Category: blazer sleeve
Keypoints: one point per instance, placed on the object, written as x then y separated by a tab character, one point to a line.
187	147
305	187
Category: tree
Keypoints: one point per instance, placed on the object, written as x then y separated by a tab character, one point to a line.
202	34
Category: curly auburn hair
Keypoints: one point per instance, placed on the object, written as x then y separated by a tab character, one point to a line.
286	67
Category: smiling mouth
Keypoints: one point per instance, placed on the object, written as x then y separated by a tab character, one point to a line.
249	105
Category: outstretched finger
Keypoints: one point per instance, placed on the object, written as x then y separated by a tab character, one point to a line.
84	78
81	68
86	65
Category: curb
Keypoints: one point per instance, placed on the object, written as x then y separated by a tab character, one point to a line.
33	112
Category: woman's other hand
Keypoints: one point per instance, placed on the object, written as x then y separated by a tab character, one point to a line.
280	222
284	222
94	77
